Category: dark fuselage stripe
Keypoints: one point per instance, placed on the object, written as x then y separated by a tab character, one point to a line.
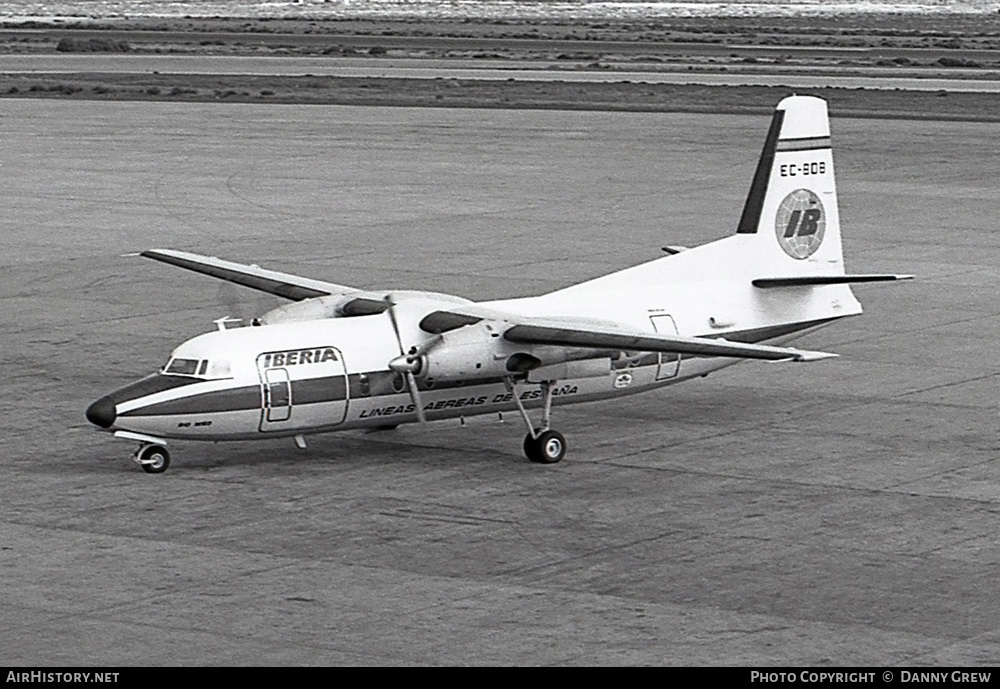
150	385
308	391
234	399
769	332
316	390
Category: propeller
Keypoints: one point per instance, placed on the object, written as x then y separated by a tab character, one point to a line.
240	305
409	362
228	297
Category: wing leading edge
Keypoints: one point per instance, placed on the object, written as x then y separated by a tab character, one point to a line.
280	284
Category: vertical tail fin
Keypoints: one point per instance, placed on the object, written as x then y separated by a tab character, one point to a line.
788	234
792	203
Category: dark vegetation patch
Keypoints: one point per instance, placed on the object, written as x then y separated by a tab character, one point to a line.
947	61
70	44
638	97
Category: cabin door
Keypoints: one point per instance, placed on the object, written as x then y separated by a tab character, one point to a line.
312	379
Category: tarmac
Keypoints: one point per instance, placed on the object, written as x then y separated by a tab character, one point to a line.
837	513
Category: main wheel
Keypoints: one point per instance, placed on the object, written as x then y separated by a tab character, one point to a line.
154	458
530	448
548	448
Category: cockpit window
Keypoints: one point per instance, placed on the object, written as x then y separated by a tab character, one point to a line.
200	368
183	367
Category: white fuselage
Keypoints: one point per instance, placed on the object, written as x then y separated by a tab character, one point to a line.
332	374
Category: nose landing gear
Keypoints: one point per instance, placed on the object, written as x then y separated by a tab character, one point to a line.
154	459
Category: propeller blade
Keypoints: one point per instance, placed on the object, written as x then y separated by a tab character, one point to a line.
395	323
411	381
415	396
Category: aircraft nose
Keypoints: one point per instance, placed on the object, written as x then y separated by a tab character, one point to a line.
102	412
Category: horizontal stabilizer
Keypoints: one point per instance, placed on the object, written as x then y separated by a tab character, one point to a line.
601	338
280	284
809	280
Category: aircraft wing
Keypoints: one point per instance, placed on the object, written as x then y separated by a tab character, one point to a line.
620	339
595	334
281	284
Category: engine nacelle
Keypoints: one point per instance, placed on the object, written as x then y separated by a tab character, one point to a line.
357	303
479	351
468	353
312	309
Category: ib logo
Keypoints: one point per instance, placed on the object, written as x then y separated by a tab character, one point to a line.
800	224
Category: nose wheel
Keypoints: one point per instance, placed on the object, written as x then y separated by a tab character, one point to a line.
154	459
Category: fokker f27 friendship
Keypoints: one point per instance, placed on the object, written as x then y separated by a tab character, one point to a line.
339	358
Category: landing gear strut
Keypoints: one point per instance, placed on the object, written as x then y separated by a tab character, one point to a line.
154	459
542	445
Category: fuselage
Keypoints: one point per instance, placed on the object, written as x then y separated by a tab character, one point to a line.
332	374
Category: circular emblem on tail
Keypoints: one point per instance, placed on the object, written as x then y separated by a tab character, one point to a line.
800	223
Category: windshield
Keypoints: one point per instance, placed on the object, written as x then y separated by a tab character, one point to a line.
200	368
183	367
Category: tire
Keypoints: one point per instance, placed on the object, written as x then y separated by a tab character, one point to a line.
548	448
160	459
531	449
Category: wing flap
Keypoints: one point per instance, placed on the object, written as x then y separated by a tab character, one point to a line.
284	285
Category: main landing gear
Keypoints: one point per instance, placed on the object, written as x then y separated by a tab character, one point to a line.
154	459
542	445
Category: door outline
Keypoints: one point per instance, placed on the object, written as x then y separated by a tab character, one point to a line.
668	365
298	381
276	399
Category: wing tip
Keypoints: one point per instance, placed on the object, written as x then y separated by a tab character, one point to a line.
807	356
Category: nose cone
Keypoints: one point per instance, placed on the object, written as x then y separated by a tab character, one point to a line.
102	412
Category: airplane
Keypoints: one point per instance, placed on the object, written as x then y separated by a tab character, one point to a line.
339	358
